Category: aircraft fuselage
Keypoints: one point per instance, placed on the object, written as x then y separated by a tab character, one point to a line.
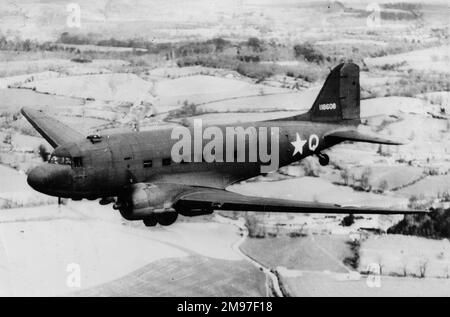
109	165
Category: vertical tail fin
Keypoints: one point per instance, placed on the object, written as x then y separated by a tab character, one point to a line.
339	98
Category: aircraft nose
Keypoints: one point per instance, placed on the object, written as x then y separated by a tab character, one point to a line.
38	178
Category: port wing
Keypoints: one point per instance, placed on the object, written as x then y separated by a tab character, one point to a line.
54	131
217	199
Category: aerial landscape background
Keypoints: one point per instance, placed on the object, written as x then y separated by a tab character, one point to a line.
119	65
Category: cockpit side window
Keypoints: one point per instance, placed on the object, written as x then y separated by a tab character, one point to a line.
61	160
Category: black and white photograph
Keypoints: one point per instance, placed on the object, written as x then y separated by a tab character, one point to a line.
233	149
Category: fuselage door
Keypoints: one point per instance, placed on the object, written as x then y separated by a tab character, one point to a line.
78	170
126	159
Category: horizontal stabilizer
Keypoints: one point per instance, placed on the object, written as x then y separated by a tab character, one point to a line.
52	130
353	135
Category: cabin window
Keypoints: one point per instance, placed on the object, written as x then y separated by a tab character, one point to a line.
77	162
148	163
166	161
127	158
60	160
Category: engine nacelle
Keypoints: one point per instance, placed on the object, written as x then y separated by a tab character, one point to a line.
144	200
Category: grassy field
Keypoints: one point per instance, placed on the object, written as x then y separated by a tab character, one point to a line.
441	98
435	59
11	180
188	258
11	100
180	277
429	186
298	101
388	177
15	192
405	255
311	253
244	61
108	87
319	284
205	89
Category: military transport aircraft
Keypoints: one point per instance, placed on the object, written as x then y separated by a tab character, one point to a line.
138	173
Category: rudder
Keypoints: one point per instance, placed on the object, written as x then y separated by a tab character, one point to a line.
339	98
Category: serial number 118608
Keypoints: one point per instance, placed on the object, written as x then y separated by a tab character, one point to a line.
246	306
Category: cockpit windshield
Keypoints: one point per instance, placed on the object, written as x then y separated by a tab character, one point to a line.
61	160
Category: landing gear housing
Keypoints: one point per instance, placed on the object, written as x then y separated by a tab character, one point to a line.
323	159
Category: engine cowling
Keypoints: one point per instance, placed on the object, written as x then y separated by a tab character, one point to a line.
145	200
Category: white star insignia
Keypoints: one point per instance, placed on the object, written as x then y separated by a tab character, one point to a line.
298	145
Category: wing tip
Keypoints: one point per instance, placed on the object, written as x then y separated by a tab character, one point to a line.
24	110
28	111
52	130
386	210
399	141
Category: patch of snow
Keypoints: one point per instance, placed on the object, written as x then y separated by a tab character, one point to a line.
434	59
313	189
393	105
114	87
351	42
5	82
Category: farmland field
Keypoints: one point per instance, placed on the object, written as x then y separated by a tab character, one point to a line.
47	239
179	277
318	284
402	255
312	253
136	65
